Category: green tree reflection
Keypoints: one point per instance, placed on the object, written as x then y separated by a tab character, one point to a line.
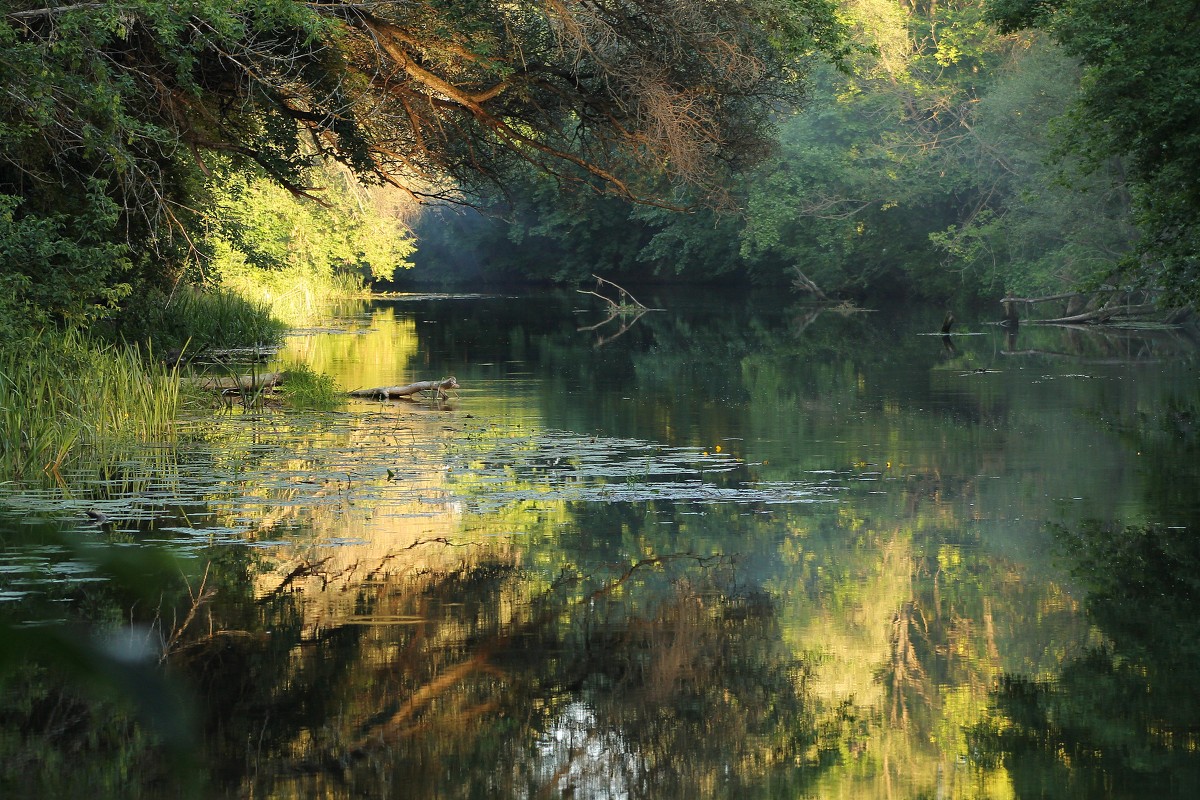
667	678
1122	718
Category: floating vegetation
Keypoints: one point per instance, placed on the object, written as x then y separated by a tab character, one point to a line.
250	478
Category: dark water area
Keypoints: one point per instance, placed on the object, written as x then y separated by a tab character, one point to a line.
737	547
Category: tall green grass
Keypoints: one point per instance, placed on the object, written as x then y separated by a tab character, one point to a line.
64	397
201	318
296	295
305	388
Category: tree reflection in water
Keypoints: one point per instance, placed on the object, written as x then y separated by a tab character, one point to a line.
419	605
469	683
1118	720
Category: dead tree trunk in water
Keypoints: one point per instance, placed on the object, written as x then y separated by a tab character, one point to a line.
389	392
802	281
1011	320
1097	307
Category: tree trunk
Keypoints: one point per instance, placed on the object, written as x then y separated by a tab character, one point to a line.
388	392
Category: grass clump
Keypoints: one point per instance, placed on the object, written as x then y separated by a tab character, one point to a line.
63	395
200	319
295	295
302	387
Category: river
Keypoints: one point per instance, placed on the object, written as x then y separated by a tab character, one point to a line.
736	547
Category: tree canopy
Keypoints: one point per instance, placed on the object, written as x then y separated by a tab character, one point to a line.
1140	101
949	158
113	110
936	161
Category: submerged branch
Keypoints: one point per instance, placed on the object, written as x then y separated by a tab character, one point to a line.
626	299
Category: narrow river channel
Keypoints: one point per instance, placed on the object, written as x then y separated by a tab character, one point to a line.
737	547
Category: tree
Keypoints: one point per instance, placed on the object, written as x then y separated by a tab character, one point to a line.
1047	225
1140	100
126	101
887	159
880	158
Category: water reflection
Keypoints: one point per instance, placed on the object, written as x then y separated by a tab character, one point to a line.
665	678
1115	720
761	552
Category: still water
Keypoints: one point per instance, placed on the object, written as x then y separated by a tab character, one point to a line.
733	548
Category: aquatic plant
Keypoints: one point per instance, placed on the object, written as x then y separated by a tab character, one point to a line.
197	318
303	387
63	394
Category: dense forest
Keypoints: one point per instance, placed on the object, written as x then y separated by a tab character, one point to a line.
868	147
960	149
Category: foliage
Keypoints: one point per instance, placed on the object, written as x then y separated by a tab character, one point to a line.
937	162
58	266
1048	226
353	234
1140	100
64	398
535	232
857	182
305	388
116	114
858	185
193	319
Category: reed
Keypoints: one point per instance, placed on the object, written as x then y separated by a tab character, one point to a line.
305	388
296	296
200	318
63	395
222	318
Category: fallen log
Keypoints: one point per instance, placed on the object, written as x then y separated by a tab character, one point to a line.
389	392
1106	306
1103	315
236	383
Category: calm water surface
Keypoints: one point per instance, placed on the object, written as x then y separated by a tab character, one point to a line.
730	549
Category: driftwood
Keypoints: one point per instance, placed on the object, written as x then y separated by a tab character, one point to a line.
626	310
1103	306
236	383
389	392
625	302
1106	314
